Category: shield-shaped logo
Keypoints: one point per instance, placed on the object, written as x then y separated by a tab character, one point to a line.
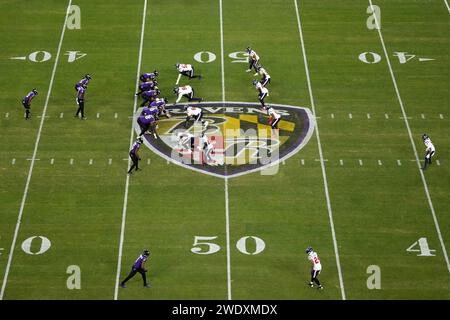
230	139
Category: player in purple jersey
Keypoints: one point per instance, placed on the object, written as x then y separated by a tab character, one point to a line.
146	86
26	102
149	76
80	101
147	123
160	103
134	154
149	96
138	266
83	82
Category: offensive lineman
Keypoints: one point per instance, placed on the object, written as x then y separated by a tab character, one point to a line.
316	267
187	70
262	93
187	92
149	96
149	76
429	150
253	60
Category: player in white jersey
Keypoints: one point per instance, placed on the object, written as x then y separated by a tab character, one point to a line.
196	114
253	60
429	150
265	77
274	118
187	92
186	70
207	146
316	267
186	140
262	92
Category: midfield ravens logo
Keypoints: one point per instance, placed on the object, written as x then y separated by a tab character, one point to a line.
235	138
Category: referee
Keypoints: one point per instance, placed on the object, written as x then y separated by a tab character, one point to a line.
138	266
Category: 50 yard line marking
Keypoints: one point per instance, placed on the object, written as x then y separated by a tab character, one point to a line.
424	182
325	183
227	211
127	181
36	145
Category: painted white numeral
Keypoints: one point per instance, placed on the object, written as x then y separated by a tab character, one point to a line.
239	56
242	245
374	57
210	56
45	245
374	21
403	57
40	56
424	249
74	55
199	240
74	18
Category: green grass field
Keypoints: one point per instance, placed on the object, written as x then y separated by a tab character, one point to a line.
355	192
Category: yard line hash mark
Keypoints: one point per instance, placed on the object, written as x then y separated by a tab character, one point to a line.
127	179
36	145
325	183
424	182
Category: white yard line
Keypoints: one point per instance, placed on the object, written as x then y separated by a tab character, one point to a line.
424	182
127	180
322	164
448	7
36	145
227	211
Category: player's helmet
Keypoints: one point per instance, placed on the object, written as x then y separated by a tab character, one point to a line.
155	72
177	65
139	140
146	253
88	76
248	49
34	91
185	107
425	136
158	91
175	90
309	249
165	100
254	82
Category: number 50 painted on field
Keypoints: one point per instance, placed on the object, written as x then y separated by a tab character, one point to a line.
207	57
211	247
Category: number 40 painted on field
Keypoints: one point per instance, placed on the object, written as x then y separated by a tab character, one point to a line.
211	247
424	249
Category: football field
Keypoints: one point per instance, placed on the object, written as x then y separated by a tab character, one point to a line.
357	84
